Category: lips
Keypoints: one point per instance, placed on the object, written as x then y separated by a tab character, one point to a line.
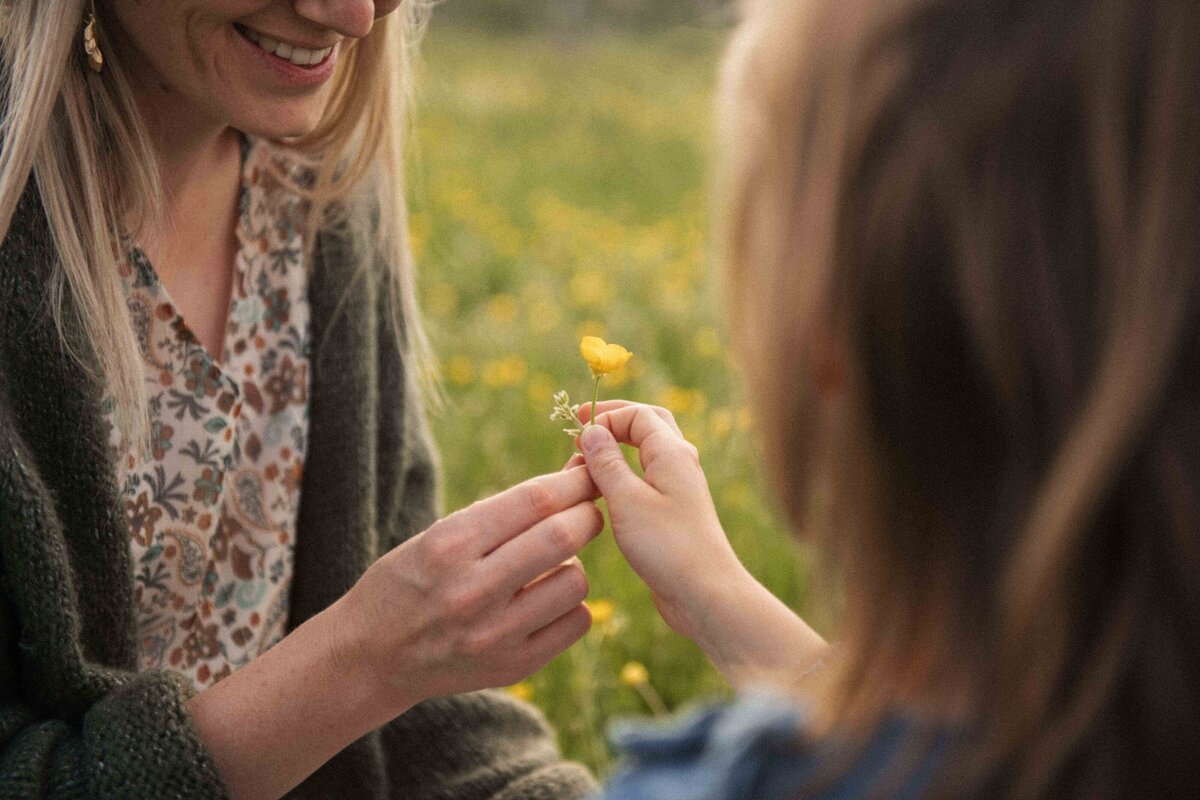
296	54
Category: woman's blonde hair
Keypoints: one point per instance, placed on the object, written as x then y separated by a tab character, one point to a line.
973	224
82	139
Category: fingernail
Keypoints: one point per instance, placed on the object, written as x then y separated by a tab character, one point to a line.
593	438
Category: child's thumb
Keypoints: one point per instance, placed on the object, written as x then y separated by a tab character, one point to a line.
605	461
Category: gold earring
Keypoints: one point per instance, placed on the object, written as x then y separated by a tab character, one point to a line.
94	56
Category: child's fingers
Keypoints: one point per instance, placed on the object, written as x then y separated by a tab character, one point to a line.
585	409
607	466
608	406
635	423
669	462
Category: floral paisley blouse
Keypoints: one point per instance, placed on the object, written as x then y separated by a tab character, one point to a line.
212	505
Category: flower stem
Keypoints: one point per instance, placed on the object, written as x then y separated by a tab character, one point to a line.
653	699
595	394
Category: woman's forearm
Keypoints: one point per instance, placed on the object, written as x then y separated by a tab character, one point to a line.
272	723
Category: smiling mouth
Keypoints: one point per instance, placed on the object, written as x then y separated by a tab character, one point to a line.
300	56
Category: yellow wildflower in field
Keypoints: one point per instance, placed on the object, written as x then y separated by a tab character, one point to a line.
635	674
602	610
603	357
721	422
706	343
441	299
503	372
680	401
544	316
589	288
539	388
522	691
460	370
738	494
502	309
420	228
498	231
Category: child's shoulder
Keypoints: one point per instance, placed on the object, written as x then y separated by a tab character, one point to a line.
755	748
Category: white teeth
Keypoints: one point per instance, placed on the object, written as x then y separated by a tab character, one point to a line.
300	56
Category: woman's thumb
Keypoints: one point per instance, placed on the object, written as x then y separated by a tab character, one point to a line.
605	461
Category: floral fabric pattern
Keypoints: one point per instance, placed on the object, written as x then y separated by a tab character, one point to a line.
212	502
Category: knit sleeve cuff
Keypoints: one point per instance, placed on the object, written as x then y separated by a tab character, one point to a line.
143	743
480	746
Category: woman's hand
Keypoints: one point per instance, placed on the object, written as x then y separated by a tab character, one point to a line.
666	526
483	598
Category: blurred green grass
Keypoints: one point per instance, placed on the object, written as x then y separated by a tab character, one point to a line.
558	190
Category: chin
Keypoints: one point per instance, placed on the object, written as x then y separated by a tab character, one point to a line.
280	126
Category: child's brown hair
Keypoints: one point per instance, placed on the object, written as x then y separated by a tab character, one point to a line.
962	253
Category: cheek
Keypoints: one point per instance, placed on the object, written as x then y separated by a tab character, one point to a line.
165	43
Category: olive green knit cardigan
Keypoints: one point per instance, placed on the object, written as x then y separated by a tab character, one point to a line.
76	719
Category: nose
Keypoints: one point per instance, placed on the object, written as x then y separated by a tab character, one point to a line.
351	18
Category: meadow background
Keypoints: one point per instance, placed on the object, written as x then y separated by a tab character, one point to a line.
559	187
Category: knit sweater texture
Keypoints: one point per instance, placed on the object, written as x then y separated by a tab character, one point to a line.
76	718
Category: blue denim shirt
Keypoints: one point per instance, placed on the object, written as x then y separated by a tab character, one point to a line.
752	749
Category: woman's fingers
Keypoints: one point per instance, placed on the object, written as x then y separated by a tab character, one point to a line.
547	599
494	521
545	546
551	640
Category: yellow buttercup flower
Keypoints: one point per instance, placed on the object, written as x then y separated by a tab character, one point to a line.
637	677
522	691
603	357
602	610
634	674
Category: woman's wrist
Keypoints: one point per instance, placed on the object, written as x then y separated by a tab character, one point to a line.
272	723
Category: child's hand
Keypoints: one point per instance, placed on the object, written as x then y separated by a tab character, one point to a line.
667	528
665	523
